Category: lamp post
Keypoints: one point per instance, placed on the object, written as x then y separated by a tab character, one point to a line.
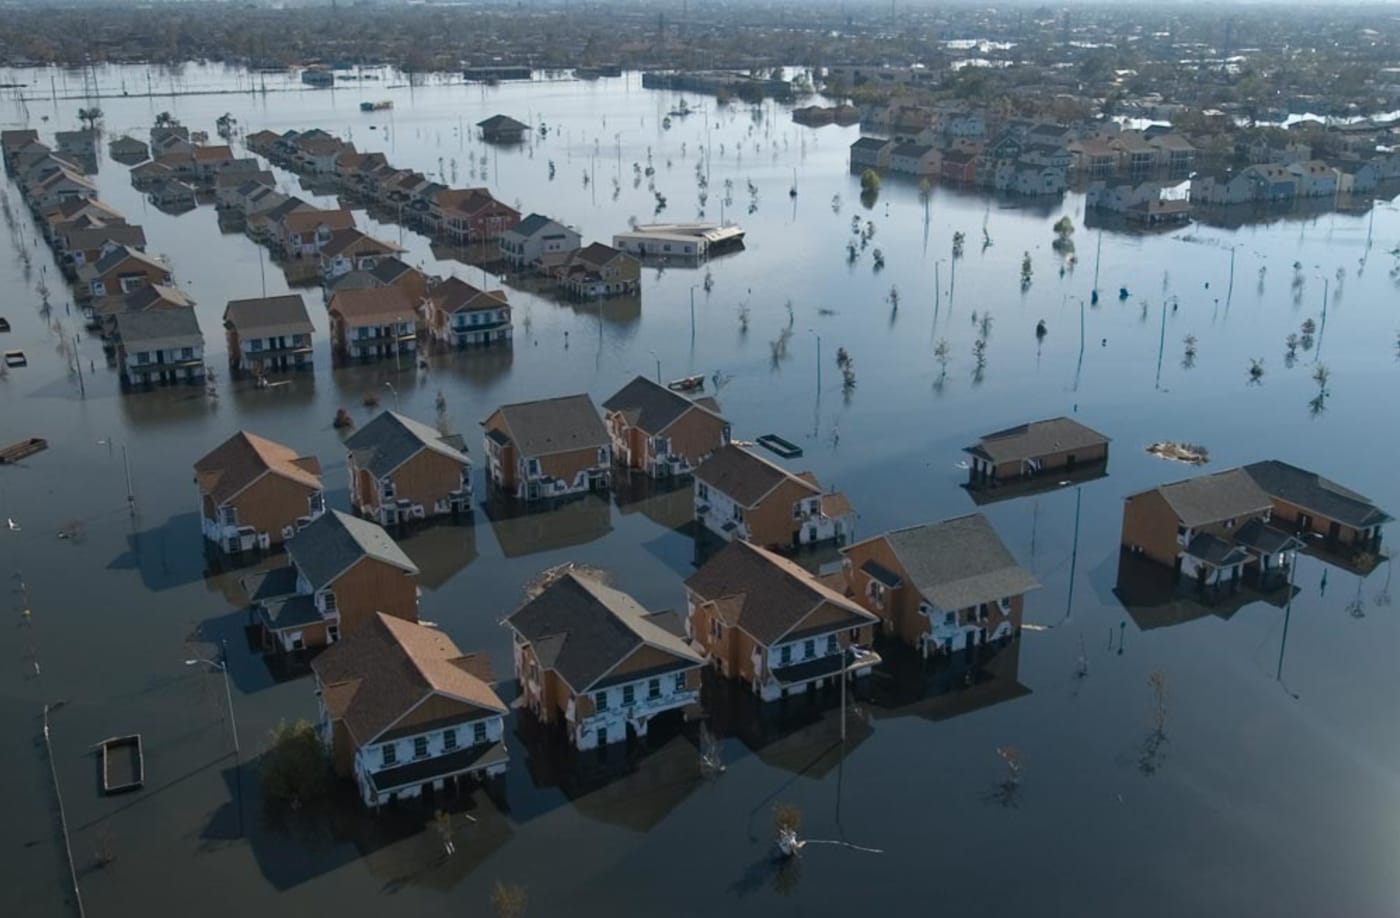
692	313
222	666
390	387
658	365
1322	327
819	358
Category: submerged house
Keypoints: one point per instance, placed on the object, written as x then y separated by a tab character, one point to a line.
1212	528
942	586
1314	507
591	659
1028	450
547	448
768	623
268	334
402	470
404	713
660	432
160	346
741	496
342	571
254	493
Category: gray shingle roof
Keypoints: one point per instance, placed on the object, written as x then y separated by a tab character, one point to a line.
115	257
1212	498
650	406
155	329
869	143
1265	539
1215	552
1038	438
582	629
554	425
273	315
765	594
531	225
1312	492
743	476
959	563
391	439
326	548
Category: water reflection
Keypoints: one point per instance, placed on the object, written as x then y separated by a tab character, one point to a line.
908	686
441	550
1156	597
573	522
668	503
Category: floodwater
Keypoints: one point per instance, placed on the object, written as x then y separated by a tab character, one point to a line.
1275	792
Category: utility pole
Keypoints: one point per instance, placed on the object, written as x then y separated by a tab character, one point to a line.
130	495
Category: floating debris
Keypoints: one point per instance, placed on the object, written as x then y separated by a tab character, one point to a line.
1190	453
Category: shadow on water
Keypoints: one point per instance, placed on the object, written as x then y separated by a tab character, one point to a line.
166	556
523	530
906	685
634	785
441	549
291	391
1155	597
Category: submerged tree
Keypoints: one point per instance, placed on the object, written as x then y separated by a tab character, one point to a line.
294	769
1026	271
1064	229
1256	369
508	900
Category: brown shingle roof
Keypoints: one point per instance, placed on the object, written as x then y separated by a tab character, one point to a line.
1211	498
243	458
744	477
1035	439
765	594
306	221
371	305
554	425
374	676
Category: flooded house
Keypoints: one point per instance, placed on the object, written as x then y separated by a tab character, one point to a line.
592	660
459	315
553	447
595	270
102	313
502	129
1056	445
149	174
463	215
128	150
90	242
122	270
940	587
523	244
173	195
1320	510
402	470
57	187
160	347
661	432
303	233
351	250
766	622
268	334
404	713
373	323
254	493
342	572
1213	529
742	496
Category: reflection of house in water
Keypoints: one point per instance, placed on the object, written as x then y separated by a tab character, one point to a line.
1155	598
669	503
800	734
574	522
634	786
908	686
441	551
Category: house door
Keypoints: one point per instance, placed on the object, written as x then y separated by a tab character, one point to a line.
1334	531
1304	523
1069	462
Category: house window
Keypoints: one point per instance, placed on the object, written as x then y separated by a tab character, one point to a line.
602	736
388	755
479	732
143	358
328	601
1230	523
785	654
950	618
601	700
628	695
420	747
332	633
654	688
255	345
533	465
702	490
449	739
680	682
187	353
602	455
716	629
831	646
809	649
738	513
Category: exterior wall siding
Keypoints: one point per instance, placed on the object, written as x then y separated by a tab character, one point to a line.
371	586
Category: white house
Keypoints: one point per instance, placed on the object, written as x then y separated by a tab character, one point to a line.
537	235
402	711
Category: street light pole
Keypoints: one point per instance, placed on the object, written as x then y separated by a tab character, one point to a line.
819	359
390	387
658	366
692	313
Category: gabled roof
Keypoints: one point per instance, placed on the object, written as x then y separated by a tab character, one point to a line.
374	676
117	256
334	541
388	270
1037	438
343	239
159	329
94	237
958	563
266	316
649	406
766	595
532	224
203	154
1311	492
151	296
596	254
870	143
456	295
307	221
582	630
372	304
745	477
499	123
391	439
243	458
1212	498
554	425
